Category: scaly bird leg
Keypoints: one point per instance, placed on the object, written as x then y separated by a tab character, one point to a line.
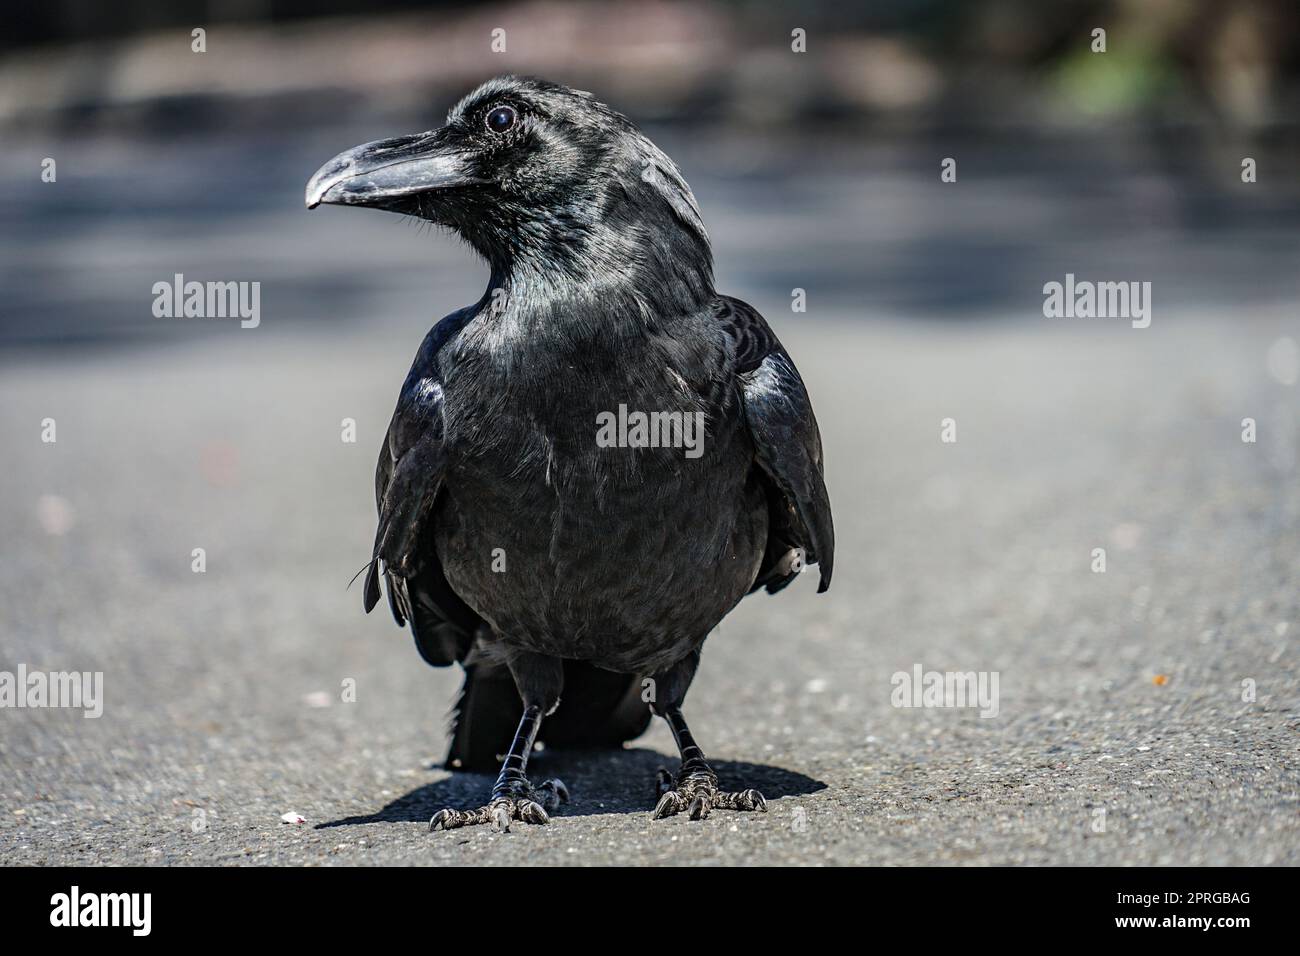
695	789
513	797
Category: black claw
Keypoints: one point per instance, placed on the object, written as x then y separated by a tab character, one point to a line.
551	794
697	793
521	802
533	812
699	807
440	819
669	803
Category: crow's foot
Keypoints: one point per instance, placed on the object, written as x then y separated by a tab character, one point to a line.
518	800
696	790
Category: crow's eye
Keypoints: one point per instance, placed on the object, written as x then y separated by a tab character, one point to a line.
501	119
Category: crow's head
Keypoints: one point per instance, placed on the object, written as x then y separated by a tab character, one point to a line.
538	178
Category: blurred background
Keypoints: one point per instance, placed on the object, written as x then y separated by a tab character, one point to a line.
818	170
176	161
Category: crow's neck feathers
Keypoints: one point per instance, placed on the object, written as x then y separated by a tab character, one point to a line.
628	247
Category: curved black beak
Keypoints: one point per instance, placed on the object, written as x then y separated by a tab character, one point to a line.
375	174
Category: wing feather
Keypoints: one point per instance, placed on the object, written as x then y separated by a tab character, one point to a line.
408	479
787	445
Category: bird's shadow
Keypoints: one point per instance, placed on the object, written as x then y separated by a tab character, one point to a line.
614	781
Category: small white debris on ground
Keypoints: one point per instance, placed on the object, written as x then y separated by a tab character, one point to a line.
292	817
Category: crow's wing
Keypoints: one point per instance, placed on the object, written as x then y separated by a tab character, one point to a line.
787	446
408	478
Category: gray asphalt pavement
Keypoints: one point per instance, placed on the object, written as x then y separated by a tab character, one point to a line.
1122	735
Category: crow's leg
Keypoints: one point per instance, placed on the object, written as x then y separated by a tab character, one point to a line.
513	797
695	788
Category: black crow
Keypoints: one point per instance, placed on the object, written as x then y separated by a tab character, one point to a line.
589	467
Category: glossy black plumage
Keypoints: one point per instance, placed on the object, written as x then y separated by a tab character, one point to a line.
509	538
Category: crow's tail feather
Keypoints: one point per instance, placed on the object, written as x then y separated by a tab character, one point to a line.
484	719
598	709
